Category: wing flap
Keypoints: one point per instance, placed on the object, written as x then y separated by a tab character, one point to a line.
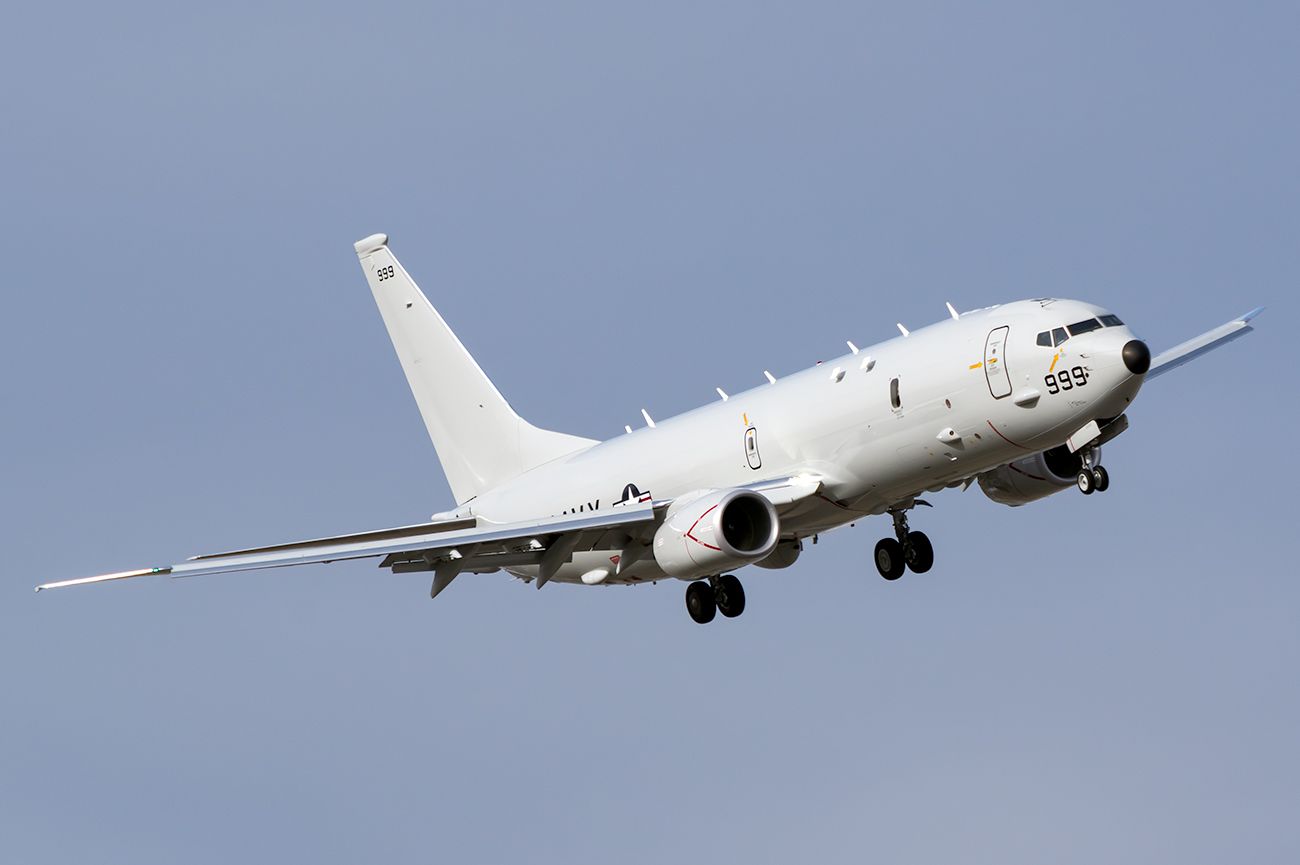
418	530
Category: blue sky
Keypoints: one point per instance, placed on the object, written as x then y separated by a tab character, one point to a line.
619	207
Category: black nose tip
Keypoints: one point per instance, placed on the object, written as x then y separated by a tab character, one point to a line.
1137	357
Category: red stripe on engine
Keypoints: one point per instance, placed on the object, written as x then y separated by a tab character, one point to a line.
690	533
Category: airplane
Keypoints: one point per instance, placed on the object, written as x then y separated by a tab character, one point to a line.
1018	398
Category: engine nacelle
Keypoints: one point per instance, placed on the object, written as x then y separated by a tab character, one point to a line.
1033	478
785	555
715	532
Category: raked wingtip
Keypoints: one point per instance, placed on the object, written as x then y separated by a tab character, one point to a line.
104	578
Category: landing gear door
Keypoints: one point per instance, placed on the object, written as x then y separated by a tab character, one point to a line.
995	363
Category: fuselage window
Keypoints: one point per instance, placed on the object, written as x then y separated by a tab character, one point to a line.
1059	336
1111	321
1086	326
894	399
1045	338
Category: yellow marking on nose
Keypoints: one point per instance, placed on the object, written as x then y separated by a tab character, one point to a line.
993	360
745	418
1054	360
977	365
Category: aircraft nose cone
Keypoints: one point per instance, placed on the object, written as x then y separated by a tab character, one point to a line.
1137	357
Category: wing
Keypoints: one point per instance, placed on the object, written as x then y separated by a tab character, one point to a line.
447	548
1197	346
452	547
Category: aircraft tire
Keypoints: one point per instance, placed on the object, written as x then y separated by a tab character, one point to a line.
700	602
1101	479
1087	484
730	596
889	558
919	553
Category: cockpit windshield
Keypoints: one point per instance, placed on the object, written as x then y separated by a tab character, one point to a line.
1056	336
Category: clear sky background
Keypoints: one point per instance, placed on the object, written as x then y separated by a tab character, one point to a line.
617	208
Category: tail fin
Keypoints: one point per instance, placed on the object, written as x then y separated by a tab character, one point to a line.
481	442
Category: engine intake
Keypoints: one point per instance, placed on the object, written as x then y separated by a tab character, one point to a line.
714	532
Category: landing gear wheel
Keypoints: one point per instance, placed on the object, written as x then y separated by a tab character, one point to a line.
700	602
1087	483
730	596
919	553
1101	479
889	558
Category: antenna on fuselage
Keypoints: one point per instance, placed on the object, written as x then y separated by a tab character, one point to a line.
649	421
722	393
902	329
853	348
628	427
954	313
771	379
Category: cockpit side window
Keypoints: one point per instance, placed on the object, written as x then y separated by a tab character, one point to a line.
1059	336
1086	326
1045	338
1111	321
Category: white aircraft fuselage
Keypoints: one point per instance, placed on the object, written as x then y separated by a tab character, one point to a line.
838	422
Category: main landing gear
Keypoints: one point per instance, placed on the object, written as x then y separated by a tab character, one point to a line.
910	549
1093	478
705	598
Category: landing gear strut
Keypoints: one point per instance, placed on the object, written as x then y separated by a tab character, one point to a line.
706	598
1093	478
907	549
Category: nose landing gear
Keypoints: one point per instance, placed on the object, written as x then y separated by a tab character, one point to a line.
1092	478
907	549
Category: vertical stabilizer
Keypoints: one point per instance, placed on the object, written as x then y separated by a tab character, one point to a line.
481	442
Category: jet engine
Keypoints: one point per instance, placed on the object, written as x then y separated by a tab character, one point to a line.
715	532
1033	478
